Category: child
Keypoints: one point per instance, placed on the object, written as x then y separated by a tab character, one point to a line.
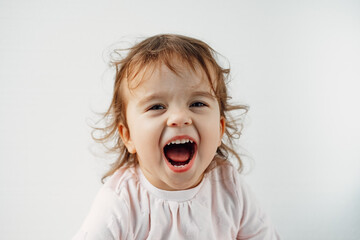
173	179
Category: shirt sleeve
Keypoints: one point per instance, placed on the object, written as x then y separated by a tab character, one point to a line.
254	224
107	218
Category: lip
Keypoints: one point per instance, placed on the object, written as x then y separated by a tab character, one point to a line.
192	160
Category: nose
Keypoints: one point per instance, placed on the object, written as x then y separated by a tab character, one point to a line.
179	119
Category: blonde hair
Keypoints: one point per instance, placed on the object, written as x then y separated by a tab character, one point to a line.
162	49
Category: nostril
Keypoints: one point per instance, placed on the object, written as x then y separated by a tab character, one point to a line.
179	124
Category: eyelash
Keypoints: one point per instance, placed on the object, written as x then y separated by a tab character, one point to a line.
198	104
157	107
161	107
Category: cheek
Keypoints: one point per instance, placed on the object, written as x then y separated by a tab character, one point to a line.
145	134
210	133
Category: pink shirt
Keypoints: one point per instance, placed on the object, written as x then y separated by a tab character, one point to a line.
220	207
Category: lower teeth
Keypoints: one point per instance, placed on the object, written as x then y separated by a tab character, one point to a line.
179	166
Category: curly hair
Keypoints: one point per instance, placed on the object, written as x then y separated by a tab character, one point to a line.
164	49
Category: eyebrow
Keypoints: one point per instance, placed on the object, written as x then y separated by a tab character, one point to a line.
150	97
203	94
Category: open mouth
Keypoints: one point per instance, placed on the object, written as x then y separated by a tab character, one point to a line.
179	153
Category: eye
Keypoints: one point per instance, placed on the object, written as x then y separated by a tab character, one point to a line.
156	107
198	104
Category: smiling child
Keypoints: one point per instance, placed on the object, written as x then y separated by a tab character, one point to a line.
173	178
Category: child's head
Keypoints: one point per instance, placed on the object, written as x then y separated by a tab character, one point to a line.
169	111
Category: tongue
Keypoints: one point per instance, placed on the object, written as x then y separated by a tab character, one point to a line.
178	153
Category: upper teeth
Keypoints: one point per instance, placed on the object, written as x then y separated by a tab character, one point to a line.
180	141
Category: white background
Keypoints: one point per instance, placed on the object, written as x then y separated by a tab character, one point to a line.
296	63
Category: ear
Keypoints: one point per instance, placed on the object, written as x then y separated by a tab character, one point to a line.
222	129
125	137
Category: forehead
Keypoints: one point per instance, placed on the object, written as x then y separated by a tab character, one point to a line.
177	75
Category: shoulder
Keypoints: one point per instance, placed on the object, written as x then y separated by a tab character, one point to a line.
230	180
225	174
228	176
122	179
252	221
109	212
222	183
114	194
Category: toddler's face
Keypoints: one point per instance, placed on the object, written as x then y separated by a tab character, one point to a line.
174	127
